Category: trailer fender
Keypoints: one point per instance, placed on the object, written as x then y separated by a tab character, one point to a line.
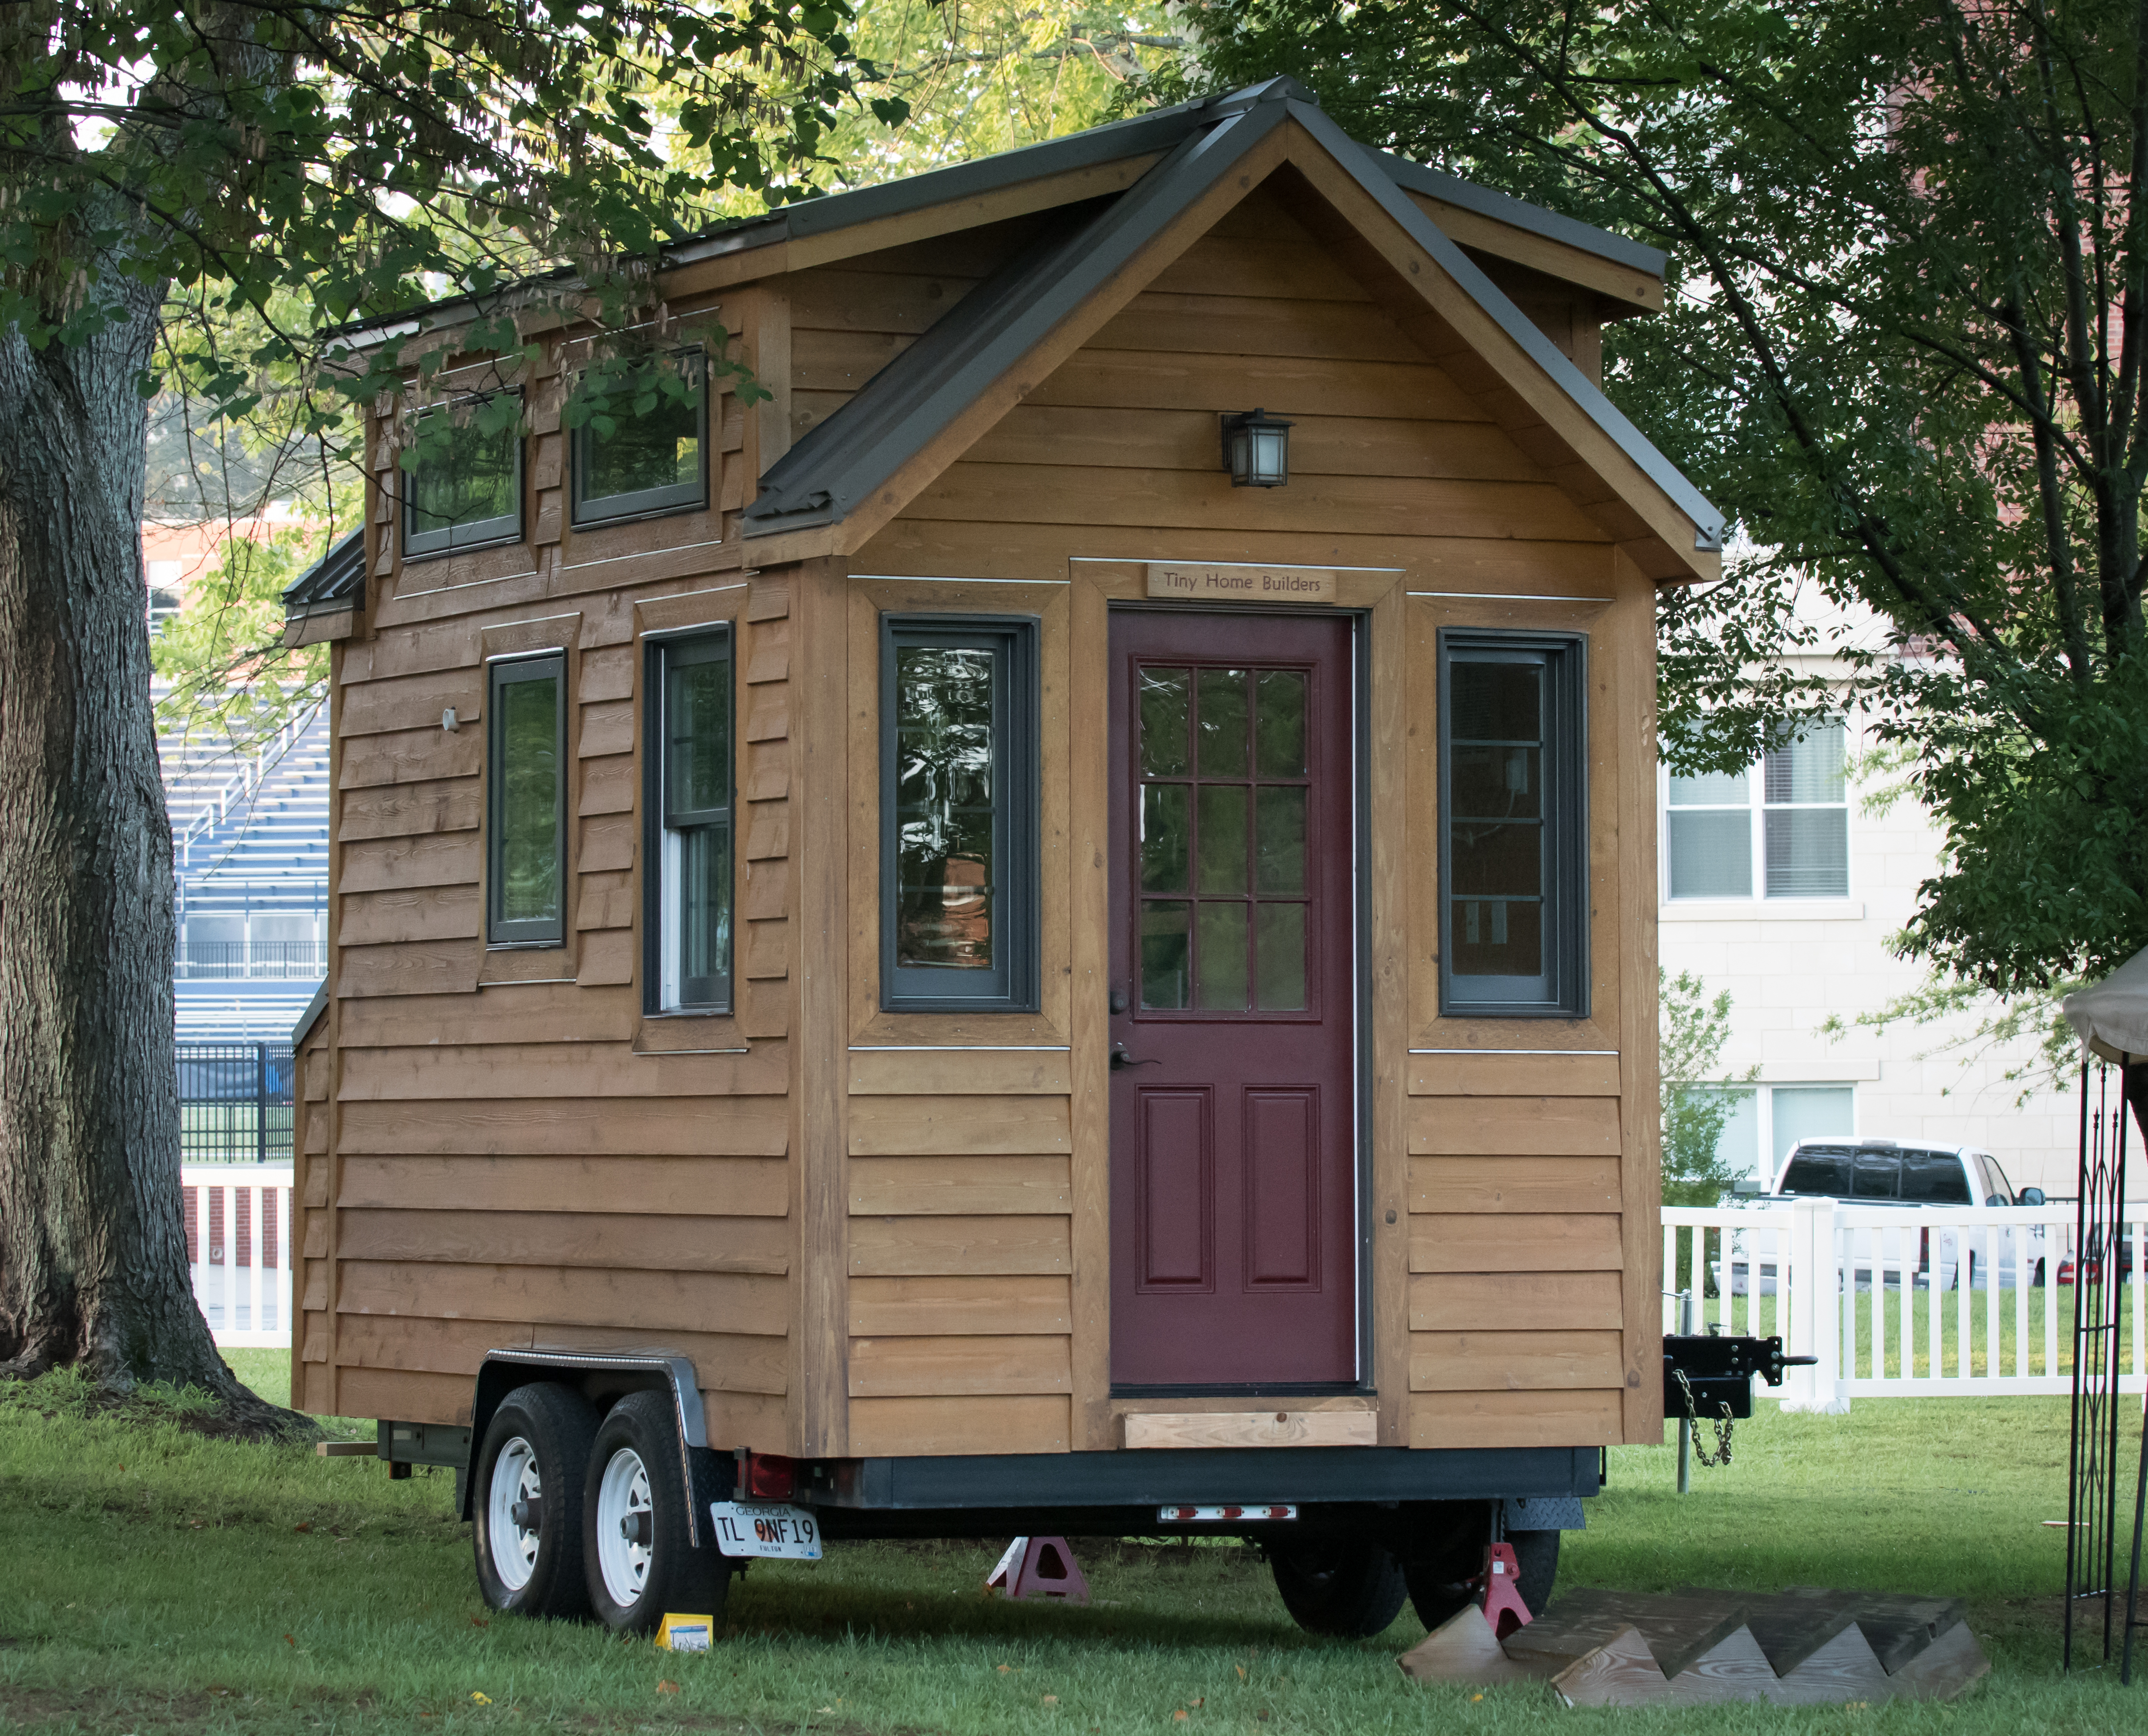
603	1377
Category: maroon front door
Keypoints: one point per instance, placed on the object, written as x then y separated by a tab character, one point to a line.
1233	1001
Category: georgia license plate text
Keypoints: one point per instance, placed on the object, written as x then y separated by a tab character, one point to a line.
749	1528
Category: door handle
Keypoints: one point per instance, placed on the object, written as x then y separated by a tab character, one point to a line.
1120	1060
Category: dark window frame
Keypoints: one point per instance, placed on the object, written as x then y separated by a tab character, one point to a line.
479	533
1017	771
586	510
501	672
658	650
1568	969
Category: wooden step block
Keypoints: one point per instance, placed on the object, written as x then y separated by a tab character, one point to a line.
1843	1669
1624	1672
1462	1648
1678	1627
1948	1665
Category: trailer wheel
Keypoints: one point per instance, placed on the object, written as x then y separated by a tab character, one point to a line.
1536	1554
528	1532
1440	1587
1352	1590
641	1563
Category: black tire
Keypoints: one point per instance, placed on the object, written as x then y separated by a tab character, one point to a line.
536	1446
1441	1584
635	1576
1449	1556
1536	1554
1350	1590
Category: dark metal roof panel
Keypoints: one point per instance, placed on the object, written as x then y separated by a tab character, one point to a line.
337	580
901	408
1437	183
918	394
1707	522
311	1016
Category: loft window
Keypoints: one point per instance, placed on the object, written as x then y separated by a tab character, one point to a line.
631	463
959	915
1512	856
526	859
689	800
1790	815
467	487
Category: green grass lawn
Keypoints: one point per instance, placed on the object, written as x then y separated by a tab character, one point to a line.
157	1581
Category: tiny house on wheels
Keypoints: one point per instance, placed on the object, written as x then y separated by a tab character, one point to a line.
1049	928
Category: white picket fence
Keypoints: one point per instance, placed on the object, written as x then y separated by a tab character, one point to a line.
238	1244
1879	1294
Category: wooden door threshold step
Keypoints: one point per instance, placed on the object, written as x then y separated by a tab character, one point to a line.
1807	1646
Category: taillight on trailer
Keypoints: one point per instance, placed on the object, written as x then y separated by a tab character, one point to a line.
764	1476
1924	1251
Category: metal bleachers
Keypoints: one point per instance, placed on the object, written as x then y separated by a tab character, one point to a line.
250	844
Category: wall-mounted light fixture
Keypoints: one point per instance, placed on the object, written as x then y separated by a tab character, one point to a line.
1257	449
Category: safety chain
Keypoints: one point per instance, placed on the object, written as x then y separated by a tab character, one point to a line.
1722	1454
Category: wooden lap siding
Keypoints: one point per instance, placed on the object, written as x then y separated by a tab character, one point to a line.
509	1161
1509	1317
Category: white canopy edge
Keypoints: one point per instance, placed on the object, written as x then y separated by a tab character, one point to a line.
2111	1016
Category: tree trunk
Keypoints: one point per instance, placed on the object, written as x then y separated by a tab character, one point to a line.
93	1268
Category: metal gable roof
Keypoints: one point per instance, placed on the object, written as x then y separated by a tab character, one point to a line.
1160	130
839	464
918	394
337	580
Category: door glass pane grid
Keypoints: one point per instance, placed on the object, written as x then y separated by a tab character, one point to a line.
1222	817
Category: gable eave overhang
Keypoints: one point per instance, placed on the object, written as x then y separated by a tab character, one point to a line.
991	331
1055	172
880	446
1620	457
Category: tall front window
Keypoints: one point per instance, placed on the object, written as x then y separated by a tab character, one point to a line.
526	862
958	805
1513	861
689	896
1788	819
467	487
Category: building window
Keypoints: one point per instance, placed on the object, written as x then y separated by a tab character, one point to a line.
1790	815
1513	823
526	861
467	490
959	916
635	462
687	897
1766	1121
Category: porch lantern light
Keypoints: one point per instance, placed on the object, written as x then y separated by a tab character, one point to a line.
1257	449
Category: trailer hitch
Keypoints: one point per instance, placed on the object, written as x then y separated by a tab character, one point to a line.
1717	1371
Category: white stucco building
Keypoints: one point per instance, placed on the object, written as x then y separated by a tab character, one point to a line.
1784	887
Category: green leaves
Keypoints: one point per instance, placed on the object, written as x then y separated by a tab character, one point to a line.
1905	349
352	159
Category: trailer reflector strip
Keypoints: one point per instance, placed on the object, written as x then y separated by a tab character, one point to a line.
1223	1515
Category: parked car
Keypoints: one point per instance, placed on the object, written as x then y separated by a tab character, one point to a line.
1890	1173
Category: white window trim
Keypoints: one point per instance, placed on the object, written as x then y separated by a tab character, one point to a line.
1822	906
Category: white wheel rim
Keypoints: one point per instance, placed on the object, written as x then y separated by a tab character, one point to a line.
514	1547
622	1492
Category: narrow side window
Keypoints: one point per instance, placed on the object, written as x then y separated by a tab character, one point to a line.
1514	863
687	850
525	868
467	487
958	797
632	463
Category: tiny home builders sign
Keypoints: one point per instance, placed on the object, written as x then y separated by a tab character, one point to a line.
1241	584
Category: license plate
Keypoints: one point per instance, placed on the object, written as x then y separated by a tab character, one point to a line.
757	1527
